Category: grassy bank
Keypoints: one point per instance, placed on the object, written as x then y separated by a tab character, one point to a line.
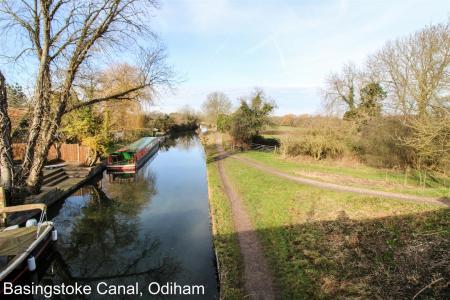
356	175
224	235
324	244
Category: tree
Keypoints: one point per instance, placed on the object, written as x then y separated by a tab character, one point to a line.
416	70
62	36
409	76
223	122
251	117
216	103
390	67
288	120
341	89
6	157
372	95
16	96
186	119
164	122
188	115
430	140
125	114
89	128
356	92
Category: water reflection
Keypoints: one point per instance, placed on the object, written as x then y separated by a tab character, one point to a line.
100	241
153	226
183	140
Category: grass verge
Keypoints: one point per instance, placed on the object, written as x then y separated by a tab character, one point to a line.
360	176
328	245
224	236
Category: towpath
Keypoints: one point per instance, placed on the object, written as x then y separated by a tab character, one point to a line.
258	280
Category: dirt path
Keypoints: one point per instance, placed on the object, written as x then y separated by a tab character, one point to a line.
342	188
258	279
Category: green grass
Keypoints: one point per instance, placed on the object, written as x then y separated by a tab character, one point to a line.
386	180
224	237
325	244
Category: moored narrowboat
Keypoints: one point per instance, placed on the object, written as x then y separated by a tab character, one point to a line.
130	158
21	247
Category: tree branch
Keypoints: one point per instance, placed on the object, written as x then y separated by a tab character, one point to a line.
117	96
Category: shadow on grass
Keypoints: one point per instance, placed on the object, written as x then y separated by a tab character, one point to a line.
214	155
386	258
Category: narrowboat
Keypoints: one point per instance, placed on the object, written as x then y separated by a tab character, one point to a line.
130	158
21	247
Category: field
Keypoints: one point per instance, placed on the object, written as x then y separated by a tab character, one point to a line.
324	244
357	175
349	171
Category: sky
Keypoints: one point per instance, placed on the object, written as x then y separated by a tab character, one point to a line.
285	47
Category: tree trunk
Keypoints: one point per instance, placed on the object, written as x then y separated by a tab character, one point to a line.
42	148
58	146
6	157
33	180
41	107
49	127
93	158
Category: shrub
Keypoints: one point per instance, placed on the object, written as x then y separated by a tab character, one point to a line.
378	143
251	117
259	139
316	146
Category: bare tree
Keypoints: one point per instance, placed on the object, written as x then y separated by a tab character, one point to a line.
6	158
430	66
410	76
342	88
416	70
430	141
62	35
216	103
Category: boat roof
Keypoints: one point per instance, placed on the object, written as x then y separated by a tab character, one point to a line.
16	241
137	145
23	207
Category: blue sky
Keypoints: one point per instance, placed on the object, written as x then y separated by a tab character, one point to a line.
284	47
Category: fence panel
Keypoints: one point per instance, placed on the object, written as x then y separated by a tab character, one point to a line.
74	153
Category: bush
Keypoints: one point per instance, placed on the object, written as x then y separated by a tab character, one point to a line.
316	146
250	118
259	139
378	143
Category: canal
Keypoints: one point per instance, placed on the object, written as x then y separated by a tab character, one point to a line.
154	227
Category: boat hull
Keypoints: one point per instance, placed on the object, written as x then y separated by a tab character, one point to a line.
134	167
22	267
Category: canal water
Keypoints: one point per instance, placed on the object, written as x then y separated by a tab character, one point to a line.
154	227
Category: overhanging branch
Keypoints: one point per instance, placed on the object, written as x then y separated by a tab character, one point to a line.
118	96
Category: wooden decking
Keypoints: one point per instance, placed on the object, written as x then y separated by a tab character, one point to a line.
57	185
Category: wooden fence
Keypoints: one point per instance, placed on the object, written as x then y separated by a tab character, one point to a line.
265	148
73	153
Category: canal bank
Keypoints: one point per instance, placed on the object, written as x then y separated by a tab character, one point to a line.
50	195
153	227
